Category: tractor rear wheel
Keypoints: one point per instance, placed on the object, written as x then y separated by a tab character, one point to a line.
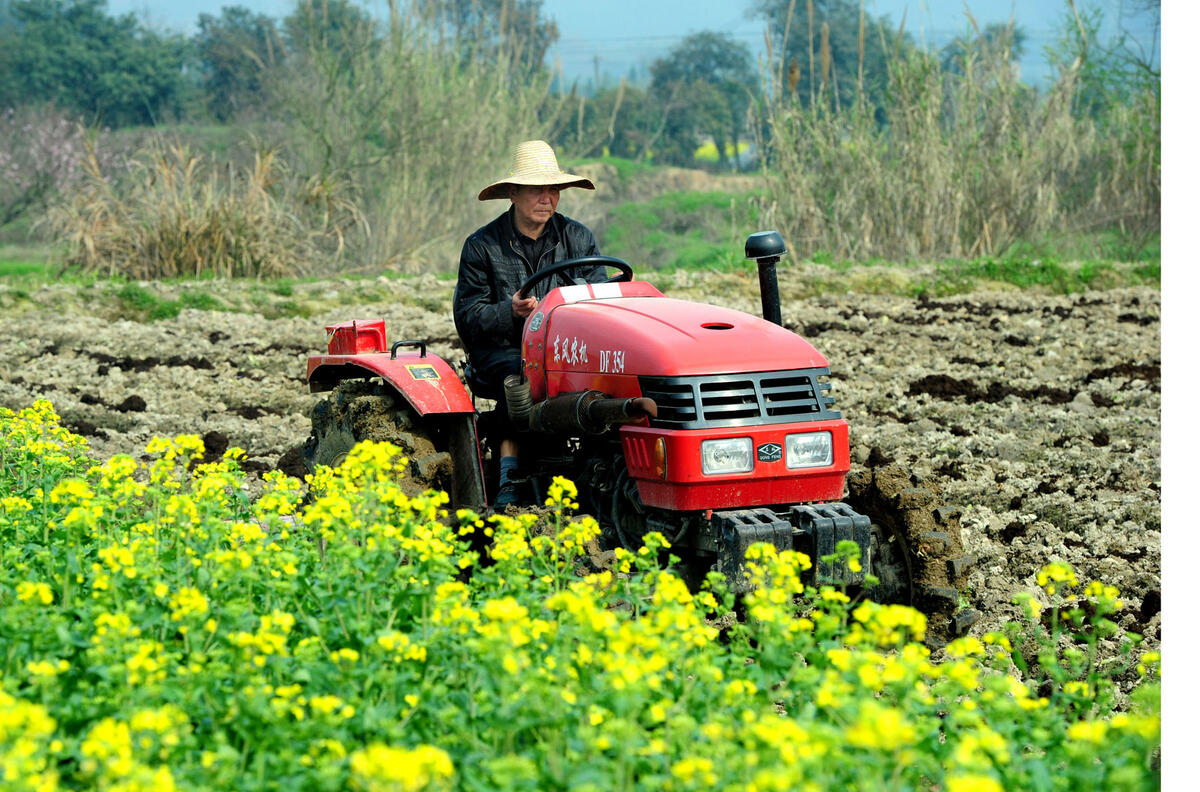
916	549
358	410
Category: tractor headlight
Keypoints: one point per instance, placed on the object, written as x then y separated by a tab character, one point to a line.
732	455
811	449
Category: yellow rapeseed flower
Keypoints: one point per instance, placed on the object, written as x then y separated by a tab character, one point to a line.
739	689
1145	726
1049	576
981	748
187	602
695	771
25	741
28	590
1076	687
47	668
344	656
71	491
879	727
328	705
972	782
380	768
1088	731
562	492
967	646
1149	663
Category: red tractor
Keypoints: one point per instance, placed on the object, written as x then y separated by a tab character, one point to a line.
711	426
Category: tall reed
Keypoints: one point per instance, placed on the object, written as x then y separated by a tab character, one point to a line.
960	163
419	124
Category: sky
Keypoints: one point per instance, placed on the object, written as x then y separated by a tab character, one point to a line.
614	38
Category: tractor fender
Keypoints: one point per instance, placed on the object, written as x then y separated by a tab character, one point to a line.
426	381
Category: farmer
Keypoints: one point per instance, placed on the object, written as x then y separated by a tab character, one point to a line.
498	258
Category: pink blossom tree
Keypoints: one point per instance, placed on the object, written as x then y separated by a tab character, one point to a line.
42	151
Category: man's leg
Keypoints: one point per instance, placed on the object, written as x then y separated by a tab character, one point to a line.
510	460
506	494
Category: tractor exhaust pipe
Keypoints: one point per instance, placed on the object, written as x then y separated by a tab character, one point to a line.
516	396
587	412
766	248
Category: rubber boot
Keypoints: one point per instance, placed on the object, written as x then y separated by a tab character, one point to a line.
507	492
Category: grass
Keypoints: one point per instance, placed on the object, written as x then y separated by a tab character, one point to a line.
1106	245
1041	275
701	232
950	277
627	169
20	268
706	231
25	263
176	214
144	304
683	230
673	232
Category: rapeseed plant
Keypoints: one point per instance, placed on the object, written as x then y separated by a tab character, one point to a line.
160	631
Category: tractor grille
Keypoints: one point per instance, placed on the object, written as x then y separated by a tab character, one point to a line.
740	399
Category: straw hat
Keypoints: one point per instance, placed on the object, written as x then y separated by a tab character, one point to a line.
534	165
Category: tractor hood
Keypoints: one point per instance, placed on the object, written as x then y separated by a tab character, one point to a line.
662	336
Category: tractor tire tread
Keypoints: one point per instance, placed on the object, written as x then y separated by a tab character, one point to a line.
358	410
930	534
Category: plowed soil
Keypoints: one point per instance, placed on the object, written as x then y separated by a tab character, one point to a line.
1038	416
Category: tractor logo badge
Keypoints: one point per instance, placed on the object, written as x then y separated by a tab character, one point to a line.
770	452
422	371
536	322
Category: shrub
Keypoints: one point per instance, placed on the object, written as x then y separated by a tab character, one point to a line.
179	214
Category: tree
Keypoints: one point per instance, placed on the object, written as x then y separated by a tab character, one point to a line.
833	50
72	53
514	29
42	151
338	28
1006	39
625	121
707	85
235	51
1108	74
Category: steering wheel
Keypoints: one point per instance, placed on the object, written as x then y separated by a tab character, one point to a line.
582	261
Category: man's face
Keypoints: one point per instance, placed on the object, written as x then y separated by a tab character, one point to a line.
534	205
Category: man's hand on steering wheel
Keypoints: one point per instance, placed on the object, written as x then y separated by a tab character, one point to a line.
522	307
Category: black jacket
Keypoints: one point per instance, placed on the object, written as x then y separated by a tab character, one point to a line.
493	267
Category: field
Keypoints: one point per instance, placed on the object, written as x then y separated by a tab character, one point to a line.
1036	414
260	645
